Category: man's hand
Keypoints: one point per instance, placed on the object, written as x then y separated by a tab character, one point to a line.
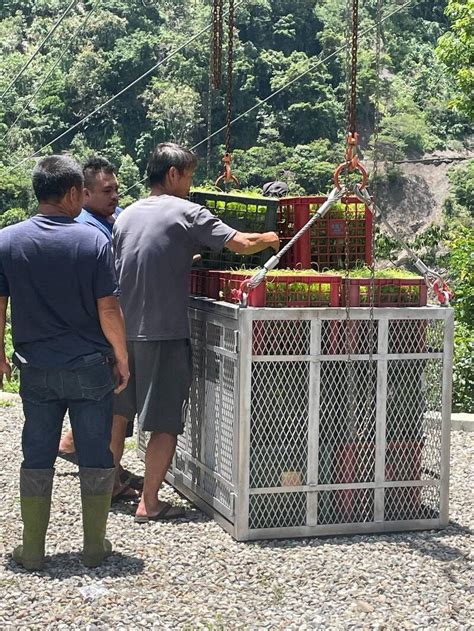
5	370
122	374
275	243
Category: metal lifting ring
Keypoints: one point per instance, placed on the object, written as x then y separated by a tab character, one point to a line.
348	165
352	162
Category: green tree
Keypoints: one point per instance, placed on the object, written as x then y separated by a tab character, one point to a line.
456	50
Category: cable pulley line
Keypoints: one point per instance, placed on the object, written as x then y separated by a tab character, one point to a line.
116	96
33	56
72	39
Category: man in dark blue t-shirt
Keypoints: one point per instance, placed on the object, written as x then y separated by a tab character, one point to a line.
100	210
69	341
100	196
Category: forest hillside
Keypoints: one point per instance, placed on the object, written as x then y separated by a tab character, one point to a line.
58	92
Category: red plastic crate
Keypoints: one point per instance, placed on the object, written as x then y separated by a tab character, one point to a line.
297	290
388	292
198	280
324	245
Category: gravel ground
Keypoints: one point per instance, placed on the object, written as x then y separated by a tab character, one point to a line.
192	575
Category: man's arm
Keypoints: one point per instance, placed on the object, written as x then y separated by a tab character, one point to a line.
251	243
113	326
5	368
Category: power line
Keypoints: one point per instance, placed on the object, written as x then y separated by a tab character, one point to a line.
80	28
113	98
284	87
48	36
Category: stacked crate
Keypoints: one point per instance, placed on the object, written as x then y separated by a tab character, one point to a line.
341	239
345	232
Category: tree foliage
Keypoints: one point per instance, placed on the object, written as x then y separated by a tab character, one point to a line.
456	50
300	131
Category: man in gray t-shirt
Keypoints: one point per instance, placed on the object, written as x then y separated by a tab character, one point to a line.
154	243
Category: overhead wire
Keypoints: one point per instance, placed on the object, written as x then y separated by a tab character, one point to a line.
33	56
79	29
116	96
288	84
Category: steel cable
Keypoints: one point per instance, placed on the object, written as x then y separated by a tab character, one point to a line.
33	56
116	96
79	29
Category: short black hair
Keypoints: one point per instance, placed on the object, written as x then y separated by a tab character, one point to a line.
94	166
54	176
165	156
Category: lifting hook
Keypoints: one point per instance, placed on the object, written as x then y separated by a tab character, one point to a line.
227	175
352	162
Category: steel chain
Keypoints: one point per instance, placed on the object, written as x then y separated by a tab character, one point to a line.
230	72
217	40
351	79
209	107
372	377
353	75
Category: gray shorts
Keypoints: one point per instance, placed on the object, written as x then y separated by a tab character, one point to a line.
158	389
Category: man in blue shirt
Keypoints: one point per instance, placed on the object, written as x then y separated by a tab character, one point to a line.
101	195
69	341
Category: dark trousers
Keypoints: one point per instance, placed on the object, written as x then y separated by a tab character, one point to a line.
87	392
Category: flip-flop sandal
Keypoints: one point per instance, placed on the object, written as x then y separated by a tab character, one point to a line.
69	456
132	480
168	511
125	496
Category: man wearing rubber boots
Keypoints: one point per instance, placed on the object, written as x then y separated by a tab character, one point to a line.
69	341
154	243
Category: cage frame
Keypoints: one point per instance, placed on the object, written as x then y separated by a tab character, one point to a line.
234	518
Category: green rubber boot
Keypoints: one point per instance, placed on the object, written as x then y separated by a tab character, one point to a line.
96	494
36	486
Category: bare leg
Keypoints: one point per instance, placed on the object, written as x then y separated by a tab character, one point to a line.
117	443
159	454
67	443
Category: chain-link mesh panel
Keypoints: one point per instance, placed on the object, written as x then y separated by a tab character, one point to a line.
190	441
214	488
433	420
348	427
179	461
415	336
347	422
408	503
279	424
212	397
281	337
227	418
345	506
229	342
277	510
193	472
220	413
413	421
351	337
214	334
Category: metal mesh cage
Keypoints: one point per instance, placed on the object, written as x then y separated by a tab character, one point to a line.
297	427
